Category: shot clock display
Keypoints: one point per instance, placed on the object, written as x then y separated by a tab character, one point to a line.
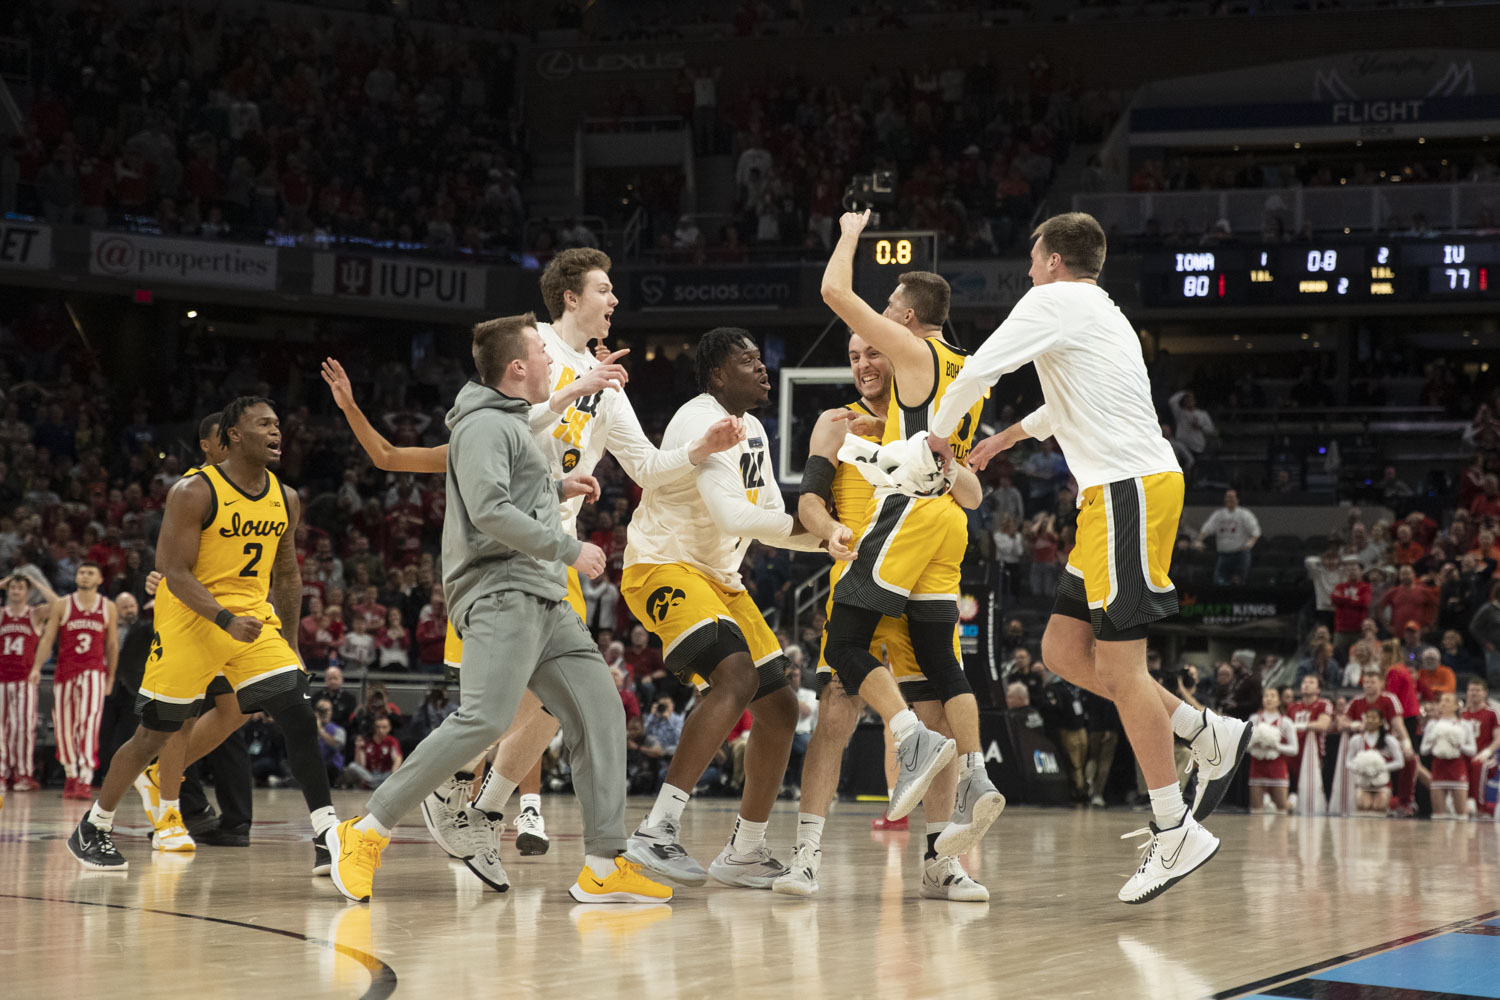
1322	274
882	257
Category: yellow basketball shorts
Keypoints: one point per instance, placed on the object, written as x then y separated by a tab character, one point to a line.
700	623
453	646
1117	575
909	559
892	642
188	651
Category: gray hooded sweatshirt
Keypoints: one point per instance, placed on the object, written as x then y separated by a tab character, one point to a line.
502	529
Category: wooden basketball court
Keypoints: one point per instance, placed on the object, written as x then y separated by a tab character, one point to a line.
1288	900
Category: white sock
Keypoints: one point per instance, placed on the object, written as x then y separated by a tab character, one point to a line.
904	723
367	823
494	793
890	793
669	805
101	817
810	830
321	819
532	802
747	835
1187	722
1167	804
167	804
969	763
599	865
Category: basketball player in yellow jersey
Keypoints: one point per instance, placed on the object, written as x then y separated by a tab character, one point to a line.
909	557
226	549
836	504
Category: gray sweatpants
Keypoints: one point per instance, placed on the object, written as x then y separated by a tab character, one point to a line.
513	641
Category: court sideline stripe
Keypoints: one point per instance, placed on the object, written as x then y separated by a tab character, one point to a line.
382	976
1261	984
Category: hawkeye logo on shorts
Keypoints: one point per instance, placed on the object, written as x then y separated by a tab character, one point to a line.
249	527
155	653
662	601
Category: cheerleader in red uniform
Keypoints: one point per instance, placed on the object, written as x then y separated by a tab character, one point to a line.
1452	746
1372	756
1273	743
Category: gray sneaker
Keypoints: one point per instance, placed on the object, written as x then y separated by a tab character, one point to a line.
978	805
918	758
756	870
486	864
459	829
660	851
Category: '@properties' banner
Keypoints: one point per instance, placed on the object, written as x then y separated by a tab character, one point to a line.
132	257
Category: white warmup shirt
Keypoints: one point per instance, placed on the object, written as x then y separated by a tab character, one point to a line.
1088	359
576	440
1232	529
707	520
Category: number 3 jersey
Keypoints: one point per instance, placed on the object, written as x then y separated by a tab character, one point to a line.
575	441
707	520
235	549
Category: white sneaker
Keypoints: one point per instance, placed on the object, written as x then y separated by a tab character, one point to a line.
486	864
1217	751
660	850
145	785
801	878
171	834
944	878
1097	802
454	825
919	758
1170	856
977	805
531	833
756	870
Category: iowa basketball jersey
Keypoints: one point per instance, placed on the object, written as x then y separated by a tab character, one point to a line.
909	416
238	545
853	495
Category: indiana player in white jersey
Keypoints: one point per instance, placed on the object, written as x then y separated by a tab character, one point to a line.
21	624
682	580
587	415
83	628
1098	406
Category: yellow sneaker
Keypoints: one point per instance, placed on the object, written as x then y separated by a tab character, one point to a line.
171	833
356	855
148	785
625	884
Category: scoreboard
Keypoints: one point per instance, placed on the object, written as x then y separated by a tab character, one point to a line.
882	257
1323	274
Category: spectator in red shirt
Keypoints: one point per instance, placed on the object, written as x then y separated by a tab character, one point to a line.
1351	603
627	696
646	665
1410	600
1407	551
109	554
376	758
603	534
432	631
1433	678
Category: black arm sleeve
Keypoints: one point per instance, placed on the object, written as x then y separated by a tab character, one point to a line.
817	478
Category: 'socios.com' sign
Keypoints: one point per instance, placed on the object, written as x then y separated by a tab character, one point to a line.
197	262
762	288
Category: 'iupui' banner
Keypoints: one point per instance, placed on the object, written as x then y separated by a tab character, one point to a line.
409	280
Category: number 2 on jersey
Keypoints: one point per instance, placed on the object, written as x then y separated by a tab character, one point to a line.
254	550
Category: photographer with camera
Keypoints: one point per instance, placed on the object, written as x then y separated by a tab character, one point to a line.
664	725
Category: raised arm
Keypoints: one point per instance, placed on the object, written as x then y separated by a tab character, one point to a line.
286	574
907	352
649	466
383	454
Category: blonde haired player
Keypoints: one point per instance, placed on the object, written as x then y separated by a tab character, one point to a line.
836	504
682	580
910	556
1098	406
586	414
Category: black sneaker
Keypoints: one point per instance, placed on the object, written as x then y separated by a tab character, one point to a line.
200	823
95	849
322	860
221	836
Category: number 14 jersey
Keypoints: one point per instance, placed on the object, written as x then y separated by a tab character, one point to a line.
236	548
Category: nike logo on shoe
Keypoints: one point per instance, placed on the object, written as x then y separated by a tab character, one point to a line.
1169	861
1217	757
